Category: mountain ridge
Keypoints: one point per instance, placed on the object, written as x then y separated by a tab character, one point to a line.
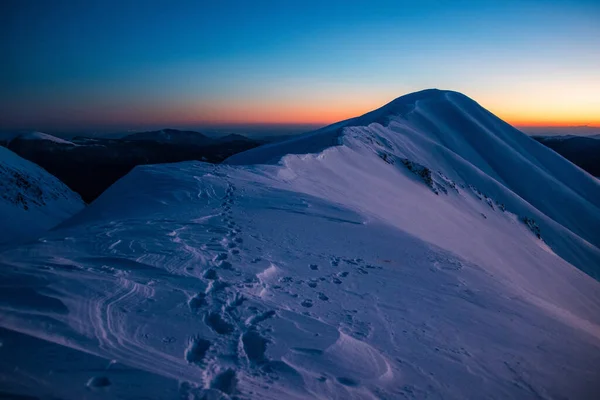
441	255
462	135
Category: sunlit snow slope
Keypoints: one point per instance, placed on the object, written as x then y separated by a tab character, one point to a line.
31	200
425	250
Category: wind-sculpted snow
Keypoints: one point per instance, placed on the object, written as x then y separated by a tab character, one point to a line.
364	270
31	200
450	133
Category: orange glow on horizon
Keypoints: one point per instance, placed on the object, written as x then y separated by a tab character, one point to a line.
309	111
550	122
309	116
319	118
544	109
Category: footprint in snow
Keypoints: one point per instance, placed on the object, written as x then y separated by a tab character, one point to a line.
225	382
98	382
196	350
347	381
323	297
254	346
198	301
210	274
225	265
216	322
307	303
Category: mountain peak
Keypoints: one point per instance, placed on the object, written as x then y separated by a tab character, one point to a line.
435	101
404	104
440	130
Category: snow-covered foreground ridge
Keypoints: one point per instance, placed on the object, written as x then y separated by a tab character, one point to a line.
426	249
31	200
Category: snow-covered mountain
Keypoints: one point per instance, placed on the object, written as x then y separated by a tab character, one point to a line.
43	137
31	200
424	250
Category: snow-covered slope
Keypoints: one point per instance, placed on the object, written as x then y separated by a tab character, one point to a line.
415	252
448	132
31	200
43	136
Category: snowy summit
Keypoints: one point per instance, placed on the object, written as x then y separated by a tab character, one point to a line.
424	250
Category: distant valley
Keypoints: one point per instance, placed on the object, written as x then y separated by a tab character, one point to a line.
583	151
90	165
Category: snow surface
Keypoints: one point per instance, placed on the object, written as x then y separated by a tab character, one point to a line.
425	250
44	136
31	200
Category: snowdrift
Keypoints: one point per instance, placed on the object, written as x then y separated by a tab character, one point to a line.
31	200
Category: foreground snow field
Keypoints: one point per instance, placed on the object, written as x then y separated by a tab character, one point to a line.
425	250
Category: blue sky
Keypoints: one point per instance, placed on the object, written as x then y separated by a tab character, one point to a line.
76	64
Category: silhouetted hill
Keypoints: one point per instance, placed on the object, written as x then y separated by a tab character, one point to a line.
172	136
580	150
90	165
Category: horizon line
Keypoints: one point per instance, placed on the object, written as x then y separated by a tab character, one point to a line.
225	125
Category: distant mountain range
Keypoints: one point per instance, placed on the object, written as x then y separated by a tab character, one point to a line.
583	151
172	136
90	165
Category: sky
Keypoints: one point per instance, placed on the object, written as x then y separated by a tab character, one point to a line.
133	64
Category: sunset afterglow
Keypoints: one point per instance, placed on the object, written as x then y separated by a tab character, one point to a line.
531	63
